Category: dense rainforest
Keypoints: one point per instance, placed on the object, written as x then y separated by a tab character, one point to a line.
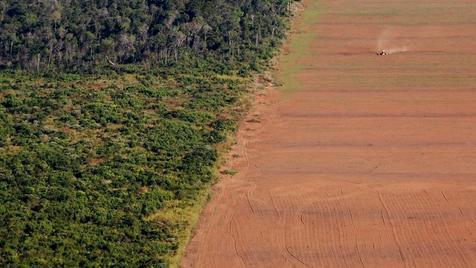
113	114
65	34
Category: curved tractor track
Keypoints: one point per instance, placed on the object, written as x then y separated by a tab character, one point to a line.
364	160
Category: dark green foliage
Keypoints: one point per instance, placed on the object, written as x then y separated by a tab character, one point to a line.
5	127
38	35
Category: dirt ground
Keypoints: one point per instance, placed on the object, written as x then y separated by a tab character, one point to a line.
364	160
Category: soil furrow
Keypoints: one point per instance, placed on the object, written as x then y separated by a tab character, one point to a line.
357	160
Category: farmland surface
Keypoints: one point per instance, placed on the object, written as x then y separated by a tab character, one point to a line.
359	159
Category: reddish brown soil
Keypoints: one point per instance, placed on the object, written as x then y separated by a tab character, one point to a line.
371	161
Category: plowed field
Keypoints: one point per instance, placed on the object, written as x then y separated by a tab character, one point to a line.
361	160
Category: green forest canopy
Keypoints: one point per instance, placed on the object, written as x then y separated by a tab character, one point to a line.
66	34
100	162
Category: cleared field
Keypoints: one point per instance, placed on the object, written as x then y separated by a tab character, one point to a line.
361	160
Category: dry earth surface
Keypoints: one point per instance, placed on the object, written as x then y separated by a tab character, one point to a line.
364	160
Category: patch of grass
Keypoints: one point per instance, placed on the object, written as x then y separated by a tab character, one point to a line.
229	172
298	46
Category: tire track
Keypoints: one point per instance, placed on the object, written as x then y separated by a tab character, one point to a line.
355	165
394	232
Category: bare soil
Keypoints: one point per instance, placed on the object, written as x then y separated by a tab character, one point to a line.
369	161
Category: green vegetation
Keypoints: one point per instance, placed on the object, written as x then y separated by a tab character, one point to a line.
85	161
38	35
112	116
291	63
